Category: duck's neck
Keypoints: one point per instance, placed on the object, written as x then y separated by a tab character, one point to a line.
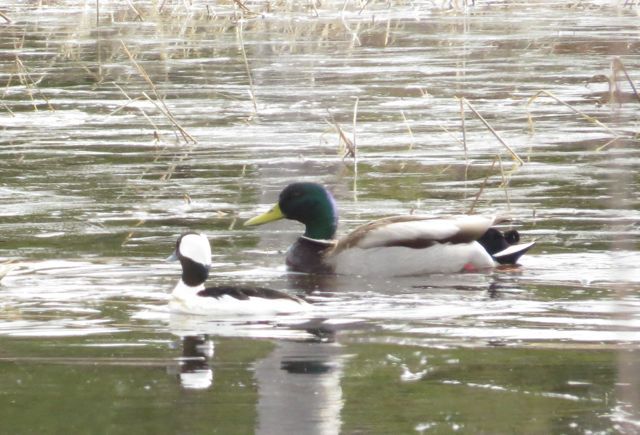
323	225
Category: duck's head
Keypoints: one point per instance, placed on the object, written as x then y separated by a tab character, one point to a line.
308	203
194	252
504	247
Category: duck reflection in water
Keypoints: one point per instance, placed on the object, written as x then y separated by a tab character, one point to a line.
298	382
195	372
299	388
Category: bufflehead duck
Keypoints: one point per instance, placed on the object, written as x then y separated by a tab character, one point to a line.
191	296
392	246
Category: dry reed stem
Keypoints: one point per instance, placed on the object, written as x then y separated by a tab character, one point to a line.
153	124
141	70
495	133
315	8
387	31
28	82
482	186
162	107
349	149
464	131
241	182
464	142
363	7
589	118
355	151
451	135
244	7
165	111
252	92
354	34
406	123
5	17
124	106
612	141
505	182
98	43
138	14
8	110
617	65
355	118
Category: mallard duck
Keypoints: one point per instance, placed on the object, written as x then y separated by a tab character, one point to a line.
191	296
504	247
392	246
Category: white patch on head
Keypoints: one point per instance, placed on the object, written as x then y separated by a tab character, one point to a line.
197	248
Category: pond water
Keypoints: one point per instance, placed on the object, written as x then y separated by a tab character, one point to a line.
119	133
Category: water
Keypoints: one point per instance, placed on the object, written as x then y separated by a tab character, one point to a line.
95	192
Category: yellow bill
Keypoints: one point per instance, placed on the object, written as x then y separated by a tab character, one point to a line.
272	215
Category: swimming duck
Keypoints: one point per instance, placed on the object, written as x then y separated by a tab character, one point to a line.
392	246
504	247
191	296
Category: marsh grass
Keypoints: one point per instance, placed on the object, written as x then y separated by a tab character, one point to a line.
614	95
24	77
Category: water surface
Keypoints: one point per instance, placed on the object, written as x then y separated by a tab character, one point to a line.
97	180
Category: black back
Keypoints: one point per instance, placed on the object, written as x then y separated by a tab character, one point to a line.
244	293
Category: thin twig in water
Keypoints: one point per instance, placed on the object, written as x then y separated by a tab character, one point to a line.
589	118
355	118
138	14
354	34
387	31
29	83
495	133
349	149
451	135
505	182
161	105
464	141
141	70
363	6
618	65
464	132
153	124
8	110
163	109
484	183
355	151
406	123
243	7
246	64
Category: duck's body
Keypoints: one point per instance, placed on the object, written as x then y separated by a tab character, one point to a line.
191	296
393	246
397	246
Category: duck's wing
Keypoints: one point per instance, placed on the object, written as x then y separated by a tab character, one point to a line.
244	293
416	232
